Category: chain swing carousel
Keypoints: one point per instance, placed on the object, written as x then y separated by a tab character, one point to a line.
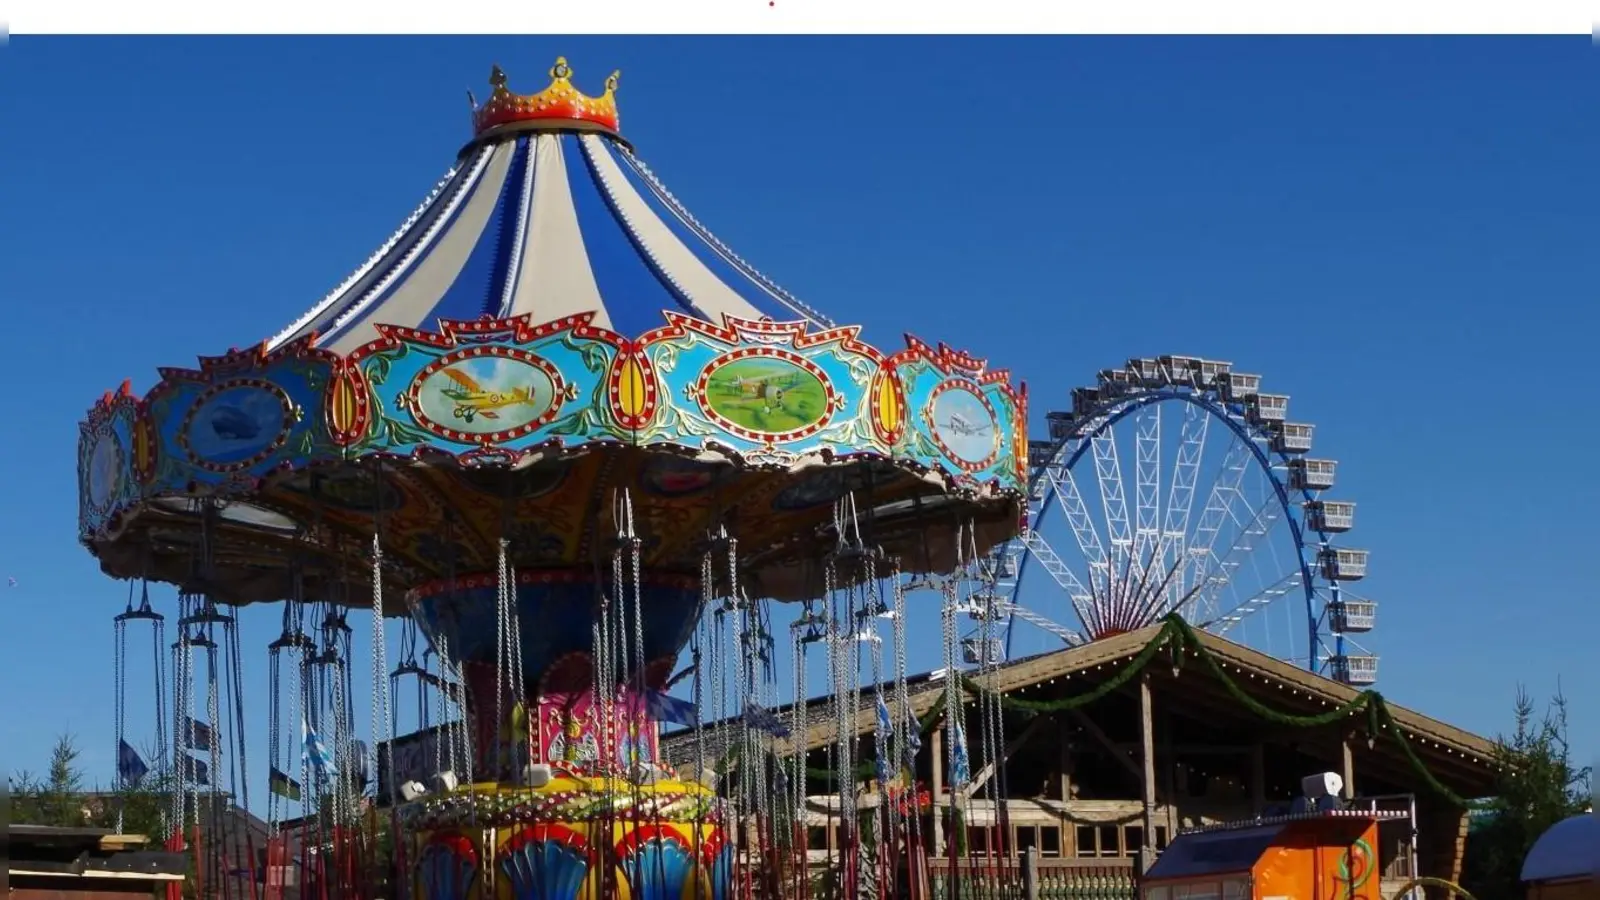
562	432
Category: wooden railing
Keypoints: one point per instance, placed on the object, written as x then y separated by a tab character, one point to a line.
1050	878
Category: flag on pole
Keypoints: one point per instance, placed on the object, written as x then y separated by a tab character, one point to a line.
315	752
282	785
763	719
359	762
130	765
200	736
885	730
193	770
665	708
913	741
961	768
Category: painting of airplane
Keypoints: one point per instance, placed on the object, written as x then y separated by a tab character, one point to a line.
772	396
236	424
769	390
960	425
965	426
472	401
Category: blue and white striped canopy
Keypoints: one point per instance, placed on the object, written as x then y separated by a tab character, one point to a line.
548	224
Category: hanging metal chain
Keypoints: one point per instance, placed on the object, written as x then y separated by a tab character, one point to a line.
159	667
274	728
801	728
236	700
381	753
119	669
502	653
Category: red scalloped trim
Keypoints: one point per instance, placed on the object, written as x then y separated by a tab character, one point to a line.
238	361
549	831
520	329
734	330
629	843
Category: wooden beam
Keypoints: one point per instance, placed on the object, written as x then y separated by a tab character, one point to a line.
1110	746
1147	736
1347	765
1065	755
993	765
936	747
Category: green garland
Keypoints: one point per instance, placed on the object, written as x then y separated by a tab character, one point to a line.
1180	637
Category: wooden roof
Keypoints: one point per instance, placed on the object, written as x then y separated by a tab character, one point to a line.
1459	759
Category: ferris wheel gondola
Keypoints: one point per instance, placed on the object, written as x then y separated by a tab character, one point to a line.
1227	554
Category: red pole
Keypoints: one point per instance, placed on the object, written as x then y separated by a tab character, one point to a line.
199	863
175	845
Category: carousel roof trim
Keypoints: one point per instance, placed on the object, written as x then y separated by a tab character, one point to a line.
547	214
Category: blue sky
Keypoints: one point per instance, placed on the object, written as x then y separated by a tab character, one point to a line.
1398	232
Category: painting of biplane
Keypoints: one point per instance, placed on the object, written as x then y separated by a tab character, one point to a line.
772	396
485	395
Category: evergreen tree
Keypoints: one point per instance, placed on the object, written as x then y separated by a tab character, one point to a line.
1537	786
57	798
62	798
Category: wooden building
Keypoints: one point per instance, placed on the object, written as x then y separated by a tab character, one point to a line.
45	863
1174	747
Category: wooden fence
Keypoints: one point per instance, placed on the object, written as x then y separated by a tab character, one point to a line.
1032	877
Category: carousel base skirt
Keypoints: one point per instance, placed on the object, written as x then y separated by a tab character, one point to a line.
575	838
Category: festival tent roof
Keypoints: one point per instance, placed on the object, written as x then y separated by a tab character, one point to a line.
548	213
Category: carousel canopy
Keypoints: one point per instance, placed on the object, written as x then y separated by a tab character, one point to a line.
543	218
549	353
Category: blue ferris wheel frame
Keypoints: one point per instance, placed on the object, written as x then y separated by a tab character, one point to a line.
1232	414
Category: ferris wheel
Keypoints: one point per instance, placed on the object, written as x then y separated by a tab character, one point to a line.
1223	521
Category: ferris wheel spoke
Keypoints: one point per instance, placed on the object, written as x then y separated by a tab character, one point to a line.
1221	624
1150	603
1251	527
1147	479
1081	598
1113	497
1180	497
1218	509
1072	638
1084	532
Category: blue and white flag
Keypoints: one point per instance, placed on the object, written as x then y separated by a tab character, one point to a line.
885	729
961	767
913	741
200	736
665	708
130	765
360	762
315	752
763	719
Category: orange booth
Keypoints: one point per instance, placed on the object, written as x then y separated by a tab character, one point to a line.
1329	855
